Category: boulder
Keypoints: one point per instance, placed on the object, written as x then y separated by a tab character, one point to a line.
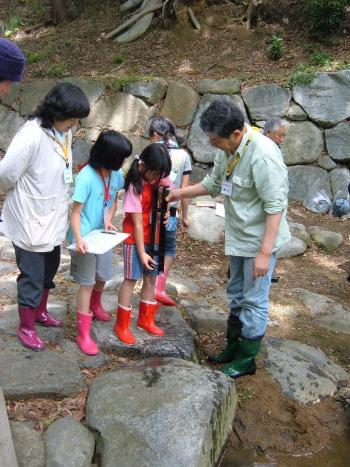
122	112
12	99
68	444
182	284
325	239
33	93
304	372
266	101
327	99
25	374
71	350
326	162
180	104
81	151
178	340
10	122
161	412
303	144
9	321
204	317
296	113
198	142
151	91
299	231
317	304
205	225
302	178
338	142
338	322
219	86
92	89
29	445
294	247
340	179
198	173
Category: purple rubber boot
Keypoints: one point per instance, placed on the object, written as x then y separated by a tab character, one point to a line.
26	332
42	316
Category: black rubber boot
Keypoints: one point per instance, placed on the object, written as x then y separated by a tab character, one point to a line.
234	328
244	361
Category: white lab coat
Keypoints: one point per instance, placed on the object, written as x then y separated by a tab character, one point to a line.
35	212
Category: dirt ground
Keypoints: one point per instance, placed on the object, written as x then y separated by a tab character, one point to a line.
173	50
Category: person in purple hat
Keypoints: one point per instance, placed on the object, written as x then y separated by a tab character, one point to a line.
12	63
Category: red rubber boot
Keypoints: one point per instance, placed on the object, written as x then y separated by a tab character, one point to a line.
42	316
85	342
160	291
97	308
26	332
121	327
147	311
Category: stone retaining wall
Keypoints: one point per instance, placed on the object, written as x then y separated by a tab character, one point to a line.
317	144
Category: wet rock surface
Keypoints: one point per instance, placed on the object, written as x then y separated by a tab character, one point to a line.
161	412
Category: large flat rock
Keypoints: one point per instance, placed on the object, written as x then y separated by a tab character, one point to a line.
177	342
161	412
10	122
29	445
25	374
204	317
266	101
304	372
317	304
327	99
33	93
9	321
338	322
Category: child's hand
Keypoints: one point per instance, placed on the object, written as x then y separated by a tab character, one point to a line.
110	226
148	262
82	248
185	222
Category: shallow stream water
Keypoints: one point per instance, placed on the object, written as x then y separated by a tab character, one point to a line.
338	455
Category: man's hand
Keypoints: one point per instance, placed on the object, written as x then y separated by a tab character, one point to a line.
261	265
174	195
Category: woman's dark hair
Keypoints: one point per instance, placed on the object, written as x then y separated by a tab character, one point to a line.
63	102
155	157
165	128
222	118
110	150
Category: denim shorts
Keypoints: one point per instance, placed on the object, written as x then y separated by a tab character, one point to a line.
170	243
89	268
133	268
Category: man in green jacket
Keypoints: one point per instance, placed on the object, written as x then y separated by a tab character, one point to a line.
251	174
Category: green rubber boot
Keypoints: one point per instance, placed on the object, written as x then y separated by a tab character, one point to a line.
228	354
244	361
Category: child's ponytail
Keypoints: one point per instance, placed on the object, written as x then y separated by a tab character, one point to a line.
154	158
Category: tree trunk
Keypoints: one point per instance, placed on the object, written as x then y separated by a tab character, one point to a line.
59	11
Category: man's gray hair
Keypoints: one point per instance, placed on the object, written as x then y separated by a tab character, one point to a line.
274	125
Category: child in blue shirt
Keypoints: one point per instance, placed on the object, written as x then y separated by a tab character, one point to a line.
95	196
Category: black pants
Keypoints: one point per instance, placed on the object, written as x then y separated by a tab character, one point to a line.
37	273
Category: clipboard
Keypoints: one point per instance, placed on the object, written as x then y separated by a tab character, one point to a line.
101	241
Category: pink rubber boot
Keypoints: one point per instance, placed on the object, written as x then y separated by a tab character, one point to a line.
42	316
26	332
85	342
97	308
160	291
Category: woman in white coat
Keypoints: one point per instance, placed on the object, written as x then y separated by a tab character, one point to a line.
35	174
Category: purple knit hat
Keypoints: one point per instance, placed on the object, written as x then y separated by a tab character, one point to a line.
12	61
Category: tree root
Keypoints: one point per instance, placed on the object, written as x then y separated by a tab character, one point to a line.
193	18
136	31
251	15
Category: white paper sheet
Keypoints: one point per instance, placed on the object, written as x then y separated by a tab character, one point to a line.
220	210
100	241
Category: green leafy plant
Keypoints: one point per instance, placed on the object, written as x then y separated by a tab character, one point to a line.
58	70
325	17
13	26
320	58
275	48
303	75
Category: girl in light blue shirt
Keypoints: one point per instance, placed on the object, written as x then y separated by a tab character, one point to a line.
97	186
